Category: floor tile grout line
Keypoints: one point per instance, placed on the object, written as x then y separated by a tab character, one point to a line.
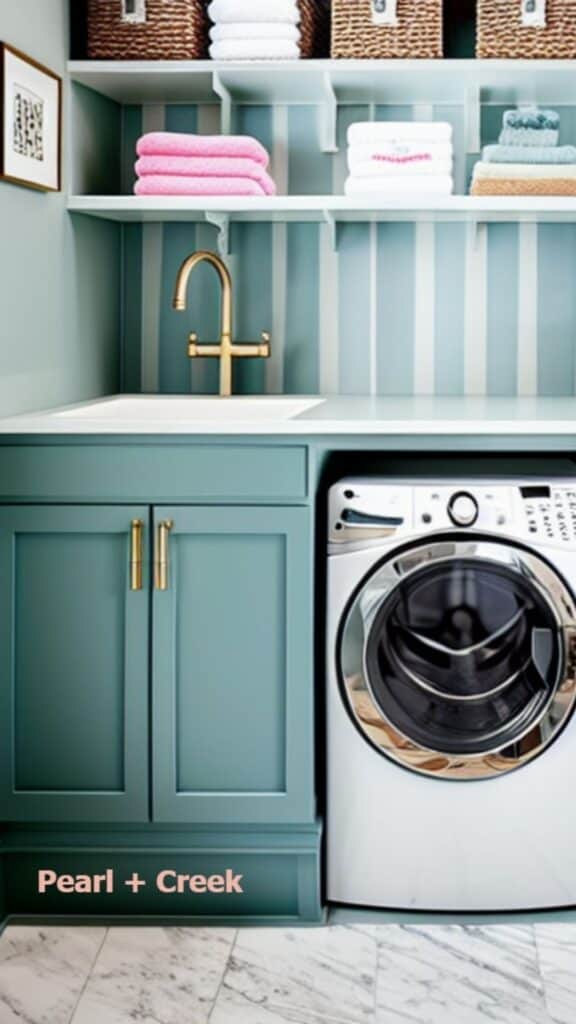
223	975
88	976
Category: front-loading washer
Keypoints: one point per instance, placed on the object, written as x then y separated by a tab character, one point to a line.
451	686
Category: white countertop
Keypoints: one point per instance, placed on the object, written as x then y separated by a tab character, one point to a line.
134	415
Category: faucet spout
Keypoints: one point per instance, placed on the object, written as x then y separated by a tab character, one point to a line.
226	350
221	269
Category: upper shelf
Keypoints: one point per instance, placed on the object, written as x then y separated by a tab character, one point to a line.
332	210
340	81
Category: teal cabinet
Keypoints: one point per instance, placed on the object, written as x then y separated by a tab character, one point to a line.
214	651
232	690
73	666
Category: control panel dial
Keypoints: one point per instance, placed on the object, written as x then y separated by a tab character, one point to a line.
463	509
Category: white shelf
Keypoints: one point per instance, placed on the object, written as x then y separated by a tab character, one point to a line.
329	210
312	81
130	209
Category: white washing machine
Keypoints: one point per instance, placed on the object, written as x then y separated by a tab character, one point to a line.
451	688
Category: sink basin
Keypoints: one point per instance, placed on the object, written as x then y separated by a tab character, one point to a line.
153	409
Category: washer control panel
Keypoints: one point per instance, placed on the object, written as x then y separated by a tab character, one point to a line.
550	512
370	510
465	507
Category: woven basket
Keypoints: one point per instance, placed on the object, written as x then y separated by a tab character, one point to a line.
501	32
173	30
418	32
314	28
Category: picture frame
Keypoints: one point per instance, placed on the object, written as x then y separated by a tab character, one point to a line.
30	122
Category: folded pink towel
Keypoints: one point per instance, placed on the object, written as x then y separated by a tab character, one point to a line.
206	167
180	144
173	185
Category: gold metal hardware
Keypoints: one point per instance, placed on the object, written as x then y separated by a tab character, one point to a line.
161	564
227	350
136	559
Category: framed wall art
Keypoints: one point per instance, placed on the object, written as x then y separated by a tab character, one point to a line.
30	122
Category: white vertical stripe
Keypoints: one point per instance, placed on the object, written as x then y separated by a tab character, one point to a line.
424	309
207	123
373	375
528	310
153	120
373	319
328	292
340	159
423	112
208	119
328	297
424	290
280	172
475	311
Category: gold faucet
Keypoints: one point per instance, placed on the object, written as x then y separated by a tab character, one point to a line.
226	351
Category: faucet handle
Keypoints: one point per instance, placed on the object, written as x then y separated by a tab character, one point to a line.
193	346
265	347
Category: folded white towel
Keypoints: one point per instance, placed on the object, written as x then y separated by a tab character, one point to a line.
254	10
405	153
390	169
399	131
255	49
433	185
525	171
254	30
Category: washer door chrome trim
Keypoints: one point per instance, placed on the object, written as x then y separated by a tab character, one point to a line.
365	709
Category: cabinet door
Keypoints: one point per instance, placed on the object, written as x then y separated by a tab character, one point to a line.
233	667
73	665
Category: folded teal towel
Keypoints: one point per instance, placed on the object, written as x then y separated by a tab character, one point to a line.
539	137
531	117
529	154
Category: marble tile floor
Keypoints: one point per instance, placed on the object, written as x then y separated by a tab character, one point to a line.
344	973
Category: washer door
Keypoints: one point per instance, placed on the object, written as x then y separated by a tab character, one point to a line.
457	657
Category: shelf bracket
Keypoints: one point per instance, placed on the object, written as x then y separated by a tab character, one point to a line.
332	225
221	221
329	116
473	101
225	97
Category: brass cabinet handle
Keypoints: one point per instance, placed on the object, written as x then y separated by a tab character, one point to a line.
136	558
161	566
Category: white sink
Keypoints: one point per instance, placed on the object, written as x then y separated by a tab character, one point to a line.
153	409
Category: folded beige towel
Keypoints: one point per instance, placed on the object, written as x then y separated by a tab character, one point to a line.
524	187
527	172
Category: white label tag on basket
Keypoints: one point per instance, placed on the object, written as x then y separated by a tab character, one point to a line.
134	12
534	13
384	12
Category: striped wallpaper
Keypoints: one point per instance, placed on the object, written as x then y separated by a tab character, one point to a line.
399	309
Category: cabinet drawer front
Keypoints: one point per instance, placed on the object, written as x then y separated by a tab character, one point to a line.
73	664
153	472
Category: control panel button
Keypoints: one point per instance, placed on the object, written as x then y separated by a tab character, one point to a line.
463	509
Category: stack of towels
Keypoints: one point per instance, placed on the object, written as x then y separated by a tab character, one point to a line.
255	29
387	158
176	164
527	161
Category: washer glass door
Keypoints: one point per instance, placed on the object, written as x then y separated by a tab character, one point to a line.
460	650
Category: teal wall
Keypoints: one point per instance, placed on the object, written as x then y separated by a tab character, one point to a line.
400	309
59	277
